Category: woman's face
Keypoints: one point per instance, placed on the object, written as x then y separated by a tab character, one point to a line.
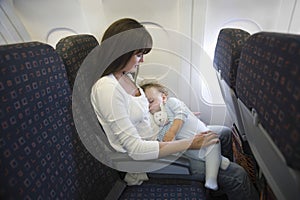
155	99
134	62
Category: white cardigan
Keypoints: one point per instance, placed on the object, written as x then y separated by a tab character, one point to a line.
125	119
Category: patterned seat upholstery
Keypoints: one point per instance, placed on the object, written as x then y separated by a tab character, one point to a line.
227	53
268	81
180	190
73	50
42	156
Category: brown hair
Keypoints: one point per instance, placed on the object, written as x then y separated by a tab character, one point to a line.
158	86
137	37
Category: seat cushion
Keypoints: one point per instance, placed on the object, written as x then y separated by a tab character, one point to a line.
150	190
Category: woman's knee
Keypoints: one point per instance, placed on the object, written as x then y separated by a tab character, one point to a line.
225	138
237	184
234	174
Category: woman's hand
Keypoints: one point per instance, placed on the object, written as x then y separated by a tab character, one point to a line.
204	139
199	140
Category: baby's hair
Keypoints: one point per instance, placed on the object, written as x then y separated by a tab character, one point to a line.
158	86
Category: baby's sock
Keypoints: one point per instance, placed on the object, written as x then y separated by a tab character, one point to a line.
224	163
211	180
211	183
212	164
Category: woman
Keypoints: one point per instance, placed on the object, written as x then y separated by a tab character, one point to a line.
124	112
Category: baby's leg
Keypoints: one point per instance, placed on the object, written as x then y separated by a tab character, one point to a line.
213	160
212	164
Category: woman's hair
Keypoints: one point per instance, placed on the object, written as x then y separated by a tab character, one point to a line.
158	86
128	34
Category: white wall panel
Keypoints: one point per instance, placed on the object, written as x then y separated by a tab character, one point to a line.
182	55
295	22
41	17
252	16
11	28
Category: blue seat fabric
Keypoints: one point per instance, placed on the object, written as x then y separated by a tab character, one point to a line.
227	53
73	50
268	81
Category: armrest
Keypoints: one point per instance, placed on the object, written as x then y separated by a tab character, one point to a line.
172	164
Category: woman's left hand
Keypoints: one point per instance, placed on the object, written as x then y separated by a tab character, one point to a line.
204	139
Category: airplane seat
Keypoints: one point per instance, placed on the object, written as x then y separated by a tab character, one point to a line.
267	87
42	155
73	50
227	53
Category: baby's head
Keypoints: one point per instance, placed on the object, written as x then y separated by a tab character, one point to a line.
156	94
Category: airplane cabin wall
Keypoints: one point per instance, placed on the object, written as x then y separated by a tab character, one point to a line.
184	33
294	24
12	29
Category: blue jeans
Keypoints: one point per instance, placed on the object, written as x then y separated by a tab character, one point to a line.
234	181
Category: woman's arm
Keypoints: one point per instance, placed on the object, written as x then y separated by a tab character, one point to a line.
199	140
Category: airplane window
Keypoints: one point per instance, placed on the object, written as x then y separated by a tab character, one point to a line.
244	24
56	34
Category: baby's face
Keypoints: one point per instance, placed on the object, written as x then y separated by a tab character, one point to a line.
155	99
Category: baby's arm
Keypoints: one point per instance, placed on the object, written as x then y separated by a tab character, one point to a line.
180	114
171	133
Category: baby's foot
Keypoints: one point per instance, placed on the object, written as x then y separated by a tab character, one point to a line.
211	184
224	163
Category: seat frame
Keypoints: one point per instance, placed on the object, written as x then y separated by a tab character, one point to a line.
284	181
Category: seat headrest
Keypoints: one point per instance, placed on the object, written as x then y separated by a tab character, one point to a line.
227	53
